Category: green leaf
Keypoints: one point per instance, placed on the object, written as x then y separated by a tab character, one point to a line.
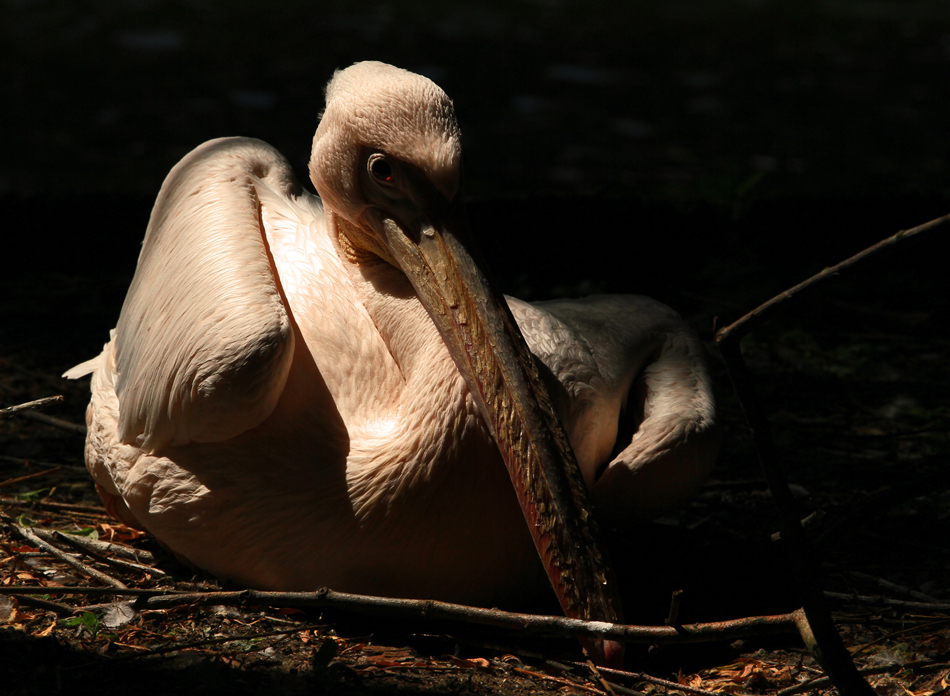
24	521
85	531
88	621
31	496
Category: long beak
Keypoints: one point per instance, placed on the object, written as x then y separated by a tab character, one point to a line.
486	344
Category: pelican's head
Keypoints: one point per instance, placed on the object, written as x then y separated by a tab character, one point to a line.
388	138
386	160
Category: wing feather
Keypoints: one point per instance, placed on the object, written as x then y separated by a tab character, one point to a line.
632	360
204	341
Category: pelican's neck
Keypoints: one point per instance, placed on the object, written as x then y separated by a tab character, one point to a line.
426	428
403	323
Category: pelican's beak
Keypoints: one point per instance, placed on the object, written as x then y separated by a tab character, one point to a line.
437	255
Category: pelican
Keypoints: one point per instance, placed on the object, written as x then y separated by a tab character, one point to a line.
305	392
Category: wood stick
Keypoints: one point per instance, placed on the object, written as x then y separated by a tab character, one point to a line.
66	558
37	474
815	623
97	510
56	422
888	585
758	315
904	603
127	552
73	540
431	609
29	405
38	603
641	676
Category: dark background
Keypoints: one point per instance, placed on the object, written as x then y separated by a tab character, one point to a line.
715	150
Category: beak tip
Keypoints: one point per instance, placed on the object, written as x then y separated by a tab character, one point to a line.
605	653
613	654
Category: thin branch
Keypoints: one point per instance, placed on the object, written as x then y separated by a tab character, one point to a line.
815	623
96	510
431	609
97	545
29	405
888	585
56	422
532	623
600	678
824	682
640	676
758	315
214	641
39	603
37	474
85	591
532	674
74	541
814	620
66	558
903	603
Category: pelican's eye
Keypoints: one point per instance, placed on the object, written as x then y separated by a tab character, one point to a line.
380	169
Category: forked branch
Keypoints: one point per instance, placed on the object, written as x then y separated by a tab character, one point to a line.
814	620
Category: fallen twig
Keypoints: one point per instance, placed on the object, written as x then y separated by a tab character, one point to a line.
40	603
217	641
824	682
904	603
532	674
75	542
758	315
815	623
29	405
97	545
56	422
641	676
814	620
97	510
20	479
66	558
533	623
888	585
430	609
600	678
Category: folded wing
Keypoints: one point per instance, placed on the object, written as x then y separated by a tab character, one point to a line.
204	341
635	397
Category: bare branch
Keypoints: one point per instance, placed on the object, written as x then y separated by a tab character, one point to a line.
814	620
66	558
97	510
102	547
56	422
74	541
758	315
431	609
20	479
29	405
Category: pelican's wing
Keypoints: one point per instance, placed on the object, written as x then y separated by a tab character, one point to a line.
640	409
204	342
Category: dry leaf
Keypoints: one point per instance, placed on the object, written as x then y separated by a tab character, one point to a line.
118	614
8	609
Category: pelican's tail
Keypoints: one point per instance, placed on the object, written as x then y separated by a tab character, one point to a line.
675	444
90	366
